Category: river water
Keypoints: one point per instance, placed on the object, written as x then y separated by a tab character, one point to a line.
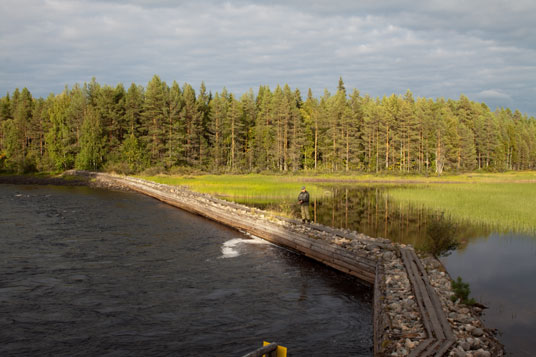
499	267
87	272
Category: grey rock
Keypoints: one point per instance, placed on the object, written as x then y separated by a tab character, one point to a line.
477	332
481	353
476	344
395	307
459	353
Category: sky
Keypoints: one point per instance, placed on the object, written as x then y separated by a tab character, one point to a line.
484	49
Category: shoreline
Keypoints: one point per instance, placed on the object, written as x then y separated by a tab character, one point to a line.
413	310
44	180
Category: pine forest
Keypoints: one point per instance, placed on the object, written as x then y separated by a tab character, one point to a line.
172	128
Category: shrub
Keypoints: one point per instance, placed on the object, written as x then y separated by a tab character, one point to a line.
461	292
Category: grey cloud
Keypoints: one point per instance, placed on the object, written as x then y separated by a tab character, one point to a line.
377	47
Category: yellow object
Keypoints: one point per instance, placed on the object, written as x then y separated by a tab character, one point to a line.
280	352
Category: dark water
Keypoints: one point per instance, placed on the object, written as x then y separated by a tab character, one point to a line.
499	267
501	271
86	272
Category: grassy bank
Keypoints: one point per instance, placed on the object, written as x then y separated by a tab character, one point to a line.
243	188
43	178
505	201
503	206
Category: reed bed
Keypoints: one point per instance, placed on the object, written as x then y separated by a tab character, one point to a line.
244	188
503	206
503	201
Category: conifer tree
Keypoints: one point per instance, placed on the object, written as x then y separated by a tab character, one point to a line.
218	115
309	113
232	131
133	109
389	128
352	122
192	119
111	107
265	132
60	140
77	108
249	112
174	126
92	142
203	105
274	131
132	153
297	131
154	117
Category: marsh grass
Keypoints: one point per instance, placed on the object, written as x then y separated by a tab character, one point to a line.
262	189
502	206
503	201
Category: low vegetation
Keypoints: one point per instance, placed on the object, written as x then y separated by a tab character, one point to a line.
462	292
503	201
243	188
503	206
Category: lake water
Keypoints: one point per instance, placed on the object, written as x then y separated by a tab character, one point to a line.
87	272
499	267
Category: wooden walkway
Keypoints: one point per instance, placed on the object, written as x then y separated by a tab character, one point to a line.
440	336
438	330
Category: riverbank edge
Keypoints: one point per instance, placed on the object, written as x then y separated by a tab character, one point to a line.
399	326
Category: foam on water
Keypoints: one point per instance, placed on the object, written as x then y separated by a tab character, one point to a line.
229	248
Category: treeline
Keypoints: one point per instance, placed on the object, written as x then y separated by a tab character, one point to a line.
166	127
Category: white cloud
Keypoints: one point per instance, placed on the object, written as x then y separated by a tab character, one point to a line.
493	94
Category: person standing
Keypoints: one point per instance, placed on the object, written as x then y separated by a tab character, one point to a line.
303	200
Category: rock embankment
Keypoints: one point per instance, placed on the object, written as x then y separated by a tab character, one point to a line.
414	312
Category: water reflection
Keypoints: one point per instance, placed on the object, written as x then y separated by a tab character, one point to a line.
500	267
370	210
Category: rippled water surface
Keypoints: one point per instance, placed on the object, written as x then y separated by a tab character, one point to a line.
500	267
91	272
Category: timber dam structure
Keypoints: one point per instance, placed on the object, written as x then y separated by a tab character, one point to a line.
413	311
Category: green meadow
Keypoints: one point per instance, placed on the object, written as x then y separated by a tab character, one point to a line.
502	206
250	188
504	201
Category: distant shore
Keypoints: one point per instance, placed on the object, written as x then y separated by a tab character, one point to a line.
44	180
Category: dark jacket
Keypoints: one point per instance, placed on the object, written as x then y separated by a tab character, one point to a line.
303	198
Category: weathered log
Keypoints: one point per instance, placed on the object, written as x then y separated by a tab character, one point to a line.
308	240
268	349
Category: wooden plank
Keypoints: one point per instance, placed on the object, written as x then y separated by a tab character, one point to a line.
378	313
348	268
421	347
263	350
435	300
418	294
430	350
335	231
436	304
441	326
445	347
430	310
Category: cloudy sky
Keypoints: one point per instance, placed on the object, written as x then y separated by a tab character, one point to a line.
485	49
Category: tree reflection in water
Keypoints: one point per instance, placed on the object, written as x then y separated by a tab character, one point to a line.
369	209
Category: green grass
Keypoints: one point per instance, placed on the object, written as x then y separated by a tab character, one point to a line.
243	188
503	206
504	201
